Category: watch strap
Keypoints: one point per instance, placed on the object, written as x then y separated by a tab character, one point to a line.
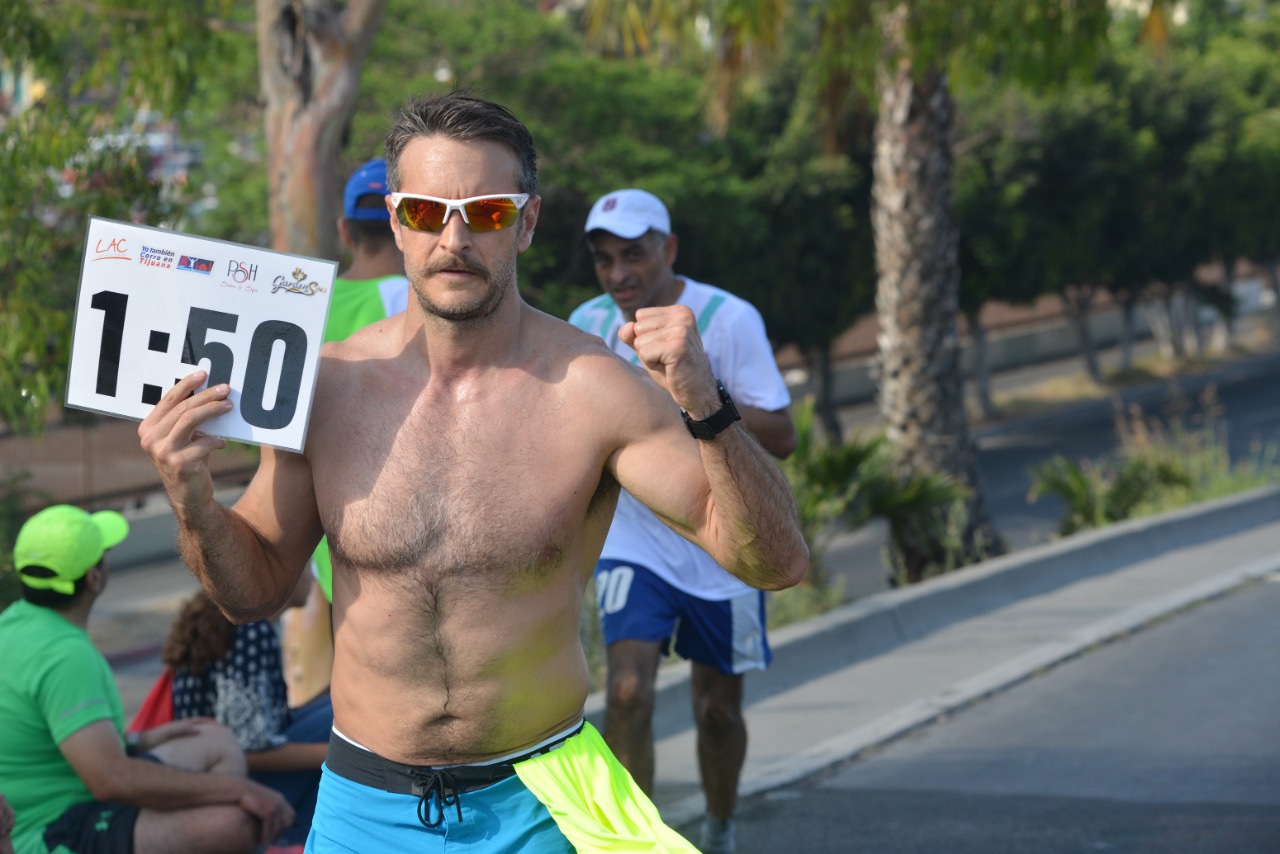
715	423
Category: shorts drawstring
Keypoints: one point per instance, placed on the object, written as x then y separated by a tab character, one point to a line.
440	783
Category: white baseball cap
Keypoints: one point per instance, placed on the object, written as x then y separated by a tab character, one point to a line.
629	214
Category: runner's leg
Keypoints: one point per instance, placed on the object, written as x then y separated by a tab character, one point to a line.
722	736
628	721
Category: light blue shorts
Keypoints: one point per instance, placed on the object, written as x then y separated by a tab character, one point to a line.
567	794
351	817
635	604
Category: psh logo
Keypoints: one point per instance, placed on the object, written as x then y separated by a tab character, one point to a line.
192	264
240	272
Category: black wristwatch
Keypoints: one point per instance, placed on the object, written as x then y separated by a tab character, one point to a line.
714	424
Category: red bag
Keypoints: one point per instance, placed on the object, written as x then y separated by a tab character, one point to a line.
158	707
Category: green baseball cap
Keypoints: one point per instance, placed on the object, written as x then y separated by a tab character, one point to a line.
68	541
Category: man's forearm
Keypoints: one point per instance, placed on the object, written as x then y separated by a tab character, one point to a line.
229	559
754	530
151	785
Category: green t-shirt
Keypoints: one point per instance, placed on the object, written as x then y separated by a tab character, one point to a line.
53	683
354	304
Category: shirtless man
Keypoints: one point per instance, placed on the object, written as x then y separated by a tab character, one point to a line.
464	458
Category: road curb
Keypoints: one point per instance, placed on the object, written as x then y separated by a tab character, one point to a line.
882	622
998	678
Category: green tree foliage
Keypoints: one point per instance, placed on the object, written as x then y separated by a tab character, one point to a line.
79	152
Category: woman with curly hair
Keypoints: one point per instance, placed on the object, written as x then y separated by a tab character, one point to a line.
235	674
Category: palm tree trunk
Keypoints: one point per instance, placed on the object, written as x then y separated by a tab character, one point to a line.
917	296
309	58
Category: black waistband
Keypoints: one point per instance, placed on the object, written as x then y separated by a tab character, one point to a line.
370	769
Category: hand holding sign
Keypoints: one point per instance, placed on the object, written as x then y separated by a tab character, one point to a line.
180	450
152	307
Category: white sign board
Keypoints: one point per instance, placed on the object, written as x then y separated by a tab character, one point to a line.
156	305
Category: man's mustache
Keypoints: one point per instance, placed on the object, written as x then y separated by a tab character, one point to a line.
456	264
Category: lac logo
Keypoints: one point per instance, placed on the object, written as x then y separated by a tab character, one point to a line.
192	264
115	249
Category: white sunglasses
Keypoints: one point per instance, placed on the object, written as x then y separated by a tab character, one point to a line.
480	213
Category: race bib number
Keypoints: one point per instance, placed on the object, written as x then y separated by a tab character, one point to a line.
156	305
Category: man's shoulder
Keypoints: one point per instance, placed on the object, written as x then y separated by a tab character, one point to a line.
25	618
571	338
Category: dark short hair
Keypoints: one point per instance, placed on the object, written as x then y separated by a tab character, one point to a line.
465	118
52	599
371	231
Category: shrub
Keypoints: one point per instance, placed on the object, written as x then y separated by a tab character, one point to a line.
1158	466
838	487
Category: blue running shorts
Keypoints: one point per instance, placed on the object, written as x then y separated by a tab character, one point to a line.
635	604
569	796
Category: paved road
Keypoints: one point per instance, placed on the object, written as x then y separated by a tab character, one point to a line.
1165	742
1249	416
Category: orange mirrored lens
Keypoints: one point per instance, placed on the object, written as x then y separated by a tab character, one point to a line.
421	214
491	214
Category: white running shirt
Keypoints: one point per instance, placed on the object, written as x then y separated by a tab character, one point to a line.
734	338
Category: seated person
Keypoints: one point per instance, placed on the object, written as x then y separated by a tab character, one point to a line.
235	675
75	783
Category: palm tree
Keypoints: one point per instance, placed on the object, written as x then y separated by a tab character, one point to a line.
309	56
915	48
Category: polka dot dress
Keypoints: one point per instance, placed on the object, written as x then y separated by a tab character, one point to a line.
245	691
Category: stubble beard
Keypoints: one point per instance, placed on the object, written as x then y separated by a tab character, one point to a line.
498	283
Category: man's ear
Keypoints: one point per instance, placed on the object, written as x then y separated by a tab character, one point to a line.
97	577
395	223
670	249
528	221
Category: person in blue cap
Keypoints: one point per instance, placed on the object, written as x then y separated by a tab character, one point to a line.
374	285
372	288
75	780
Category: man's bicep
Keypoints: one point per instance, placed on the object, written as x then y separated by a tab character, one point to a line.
94	751
661	467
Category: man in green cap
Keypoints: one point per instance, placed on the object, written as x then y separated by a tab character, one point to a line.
74	779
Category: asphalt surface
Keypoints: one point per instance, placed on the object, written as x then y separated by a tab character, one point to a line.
1165	741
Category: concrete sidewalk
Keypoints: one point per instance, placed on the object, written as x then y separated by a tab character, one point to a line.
887	664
